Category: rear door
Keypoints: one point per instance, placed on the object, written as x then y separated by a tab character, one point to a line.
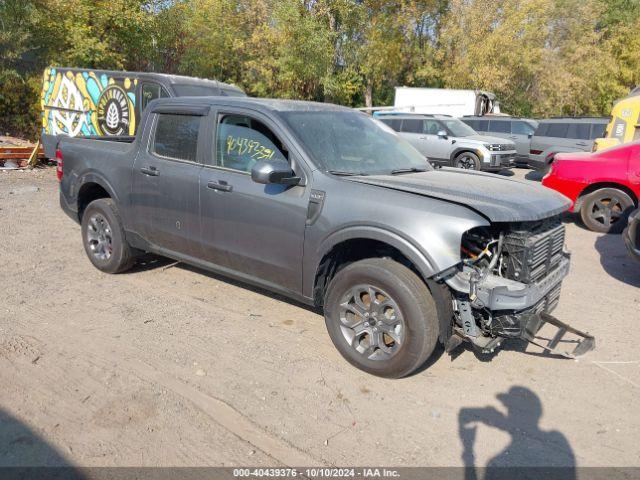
165	179
579	136
500	128
253	229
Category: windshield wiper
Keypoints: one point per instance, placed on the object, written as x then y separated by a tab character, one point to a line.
345	174
407	170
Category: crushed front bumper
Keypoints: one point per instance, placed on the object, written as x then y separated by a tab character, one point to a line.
517	310
498	293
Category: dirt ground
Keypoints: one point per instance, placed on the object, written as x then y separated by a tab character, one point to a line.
169	365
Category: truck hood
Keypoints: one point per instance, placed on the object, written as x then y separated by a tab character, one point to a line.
498	198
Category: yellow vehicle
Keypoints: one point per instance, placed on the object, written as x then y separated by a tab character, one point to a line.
625	122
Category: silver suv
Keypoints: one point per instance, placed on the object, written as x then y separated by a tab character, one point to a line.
447	141
563	134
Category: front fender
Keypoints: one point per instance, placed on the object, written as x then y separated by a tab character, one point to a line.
422	262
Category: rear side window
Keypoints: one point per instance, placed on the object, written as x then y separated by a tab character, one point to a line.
412	125
483	126
243	141
542	130
521	128
472	123
151	91
176	136
558	130
499	126
579	131
392	122
597	131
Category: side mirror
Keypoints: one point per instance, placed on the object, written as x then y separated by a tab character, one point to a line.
274	171
442	134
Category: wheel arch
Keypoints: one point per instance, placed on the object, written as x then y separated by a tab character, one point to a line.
457	151
603	184
351	247
92	187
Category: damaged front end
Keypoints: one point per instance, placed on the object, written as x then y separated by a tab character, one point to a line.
508	284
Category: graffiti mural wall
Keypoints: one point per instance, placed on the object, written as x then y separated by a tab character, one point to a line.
86	102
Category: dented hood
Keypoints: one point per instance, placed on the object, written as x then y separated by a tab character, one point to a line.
498	198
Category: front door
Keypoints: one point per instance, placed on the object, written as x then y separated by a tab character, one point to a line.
253	229
165	183
521	135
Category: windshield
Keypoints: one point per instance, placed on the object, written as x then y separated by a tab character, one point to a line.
352	142
458	128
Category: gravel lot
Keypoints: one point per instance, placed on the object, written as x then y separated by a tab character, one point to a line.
169	365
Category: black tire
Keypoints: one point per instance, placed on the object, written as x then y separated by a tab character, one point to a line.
416	313
103	237
468	161
606	210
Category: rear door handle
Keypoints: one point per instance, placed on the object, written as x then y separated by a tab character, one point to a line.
151	171
222	187
582	144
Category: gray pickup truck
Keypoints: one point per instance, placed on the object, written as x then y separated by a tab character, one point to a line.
330	207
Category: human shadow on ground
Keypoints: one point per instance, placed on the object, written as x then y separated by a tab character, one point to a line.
25	455
541	453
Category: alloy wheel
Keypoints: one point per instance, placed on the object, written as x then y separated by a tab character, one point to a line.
607	210
371	322
99	237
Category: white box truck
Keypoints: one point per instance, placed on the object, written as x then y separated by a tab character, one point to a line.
443	101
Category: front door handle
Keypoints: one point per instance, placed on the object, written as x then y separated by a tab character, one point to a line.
220	186
151	171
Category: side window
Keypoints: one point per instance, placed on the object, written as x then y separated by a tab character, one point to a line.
558	130
579	131
412	125
597	131
483	126
499	126
432	127
521	128
472	123
392	122
243	141
176	136
151	91
542	130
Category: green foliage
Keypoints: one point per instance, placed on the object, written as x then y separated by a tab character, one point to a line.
541	57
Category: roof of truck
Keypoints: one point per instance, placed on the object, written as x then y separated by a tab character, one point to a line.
268	104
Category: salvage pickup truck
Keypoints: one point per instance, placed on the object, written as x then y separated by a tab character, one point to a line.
326	205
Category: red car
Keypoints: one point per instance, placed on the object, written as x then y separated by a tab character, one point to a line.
604	186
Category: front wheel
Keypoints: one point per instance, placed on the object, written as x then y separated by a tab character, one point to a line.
381	317
468	161
606	210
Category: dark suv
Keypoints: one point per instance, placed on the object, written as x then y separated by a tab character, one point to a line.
518	130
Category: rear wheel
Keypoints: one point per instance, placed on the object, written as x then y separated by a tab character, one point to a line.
606	210
381	317
468	161
103	237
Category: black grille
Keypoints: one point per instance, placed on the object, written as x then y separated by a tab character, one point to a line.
501	148
530	254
